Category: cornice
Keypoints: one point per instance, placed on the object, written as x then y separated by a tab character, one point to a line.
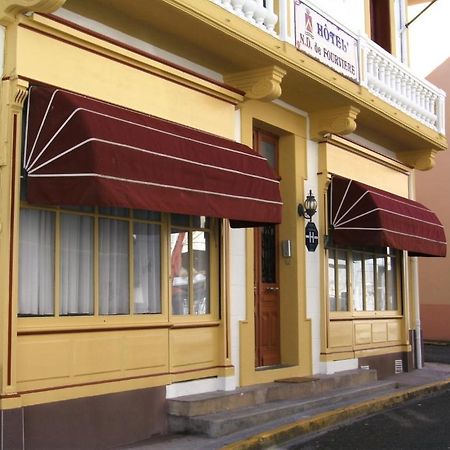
419	159
258	84
339	121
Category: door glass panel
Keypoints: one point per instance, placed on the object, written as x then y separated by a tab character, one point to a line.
342	290
331	280
147	268
77	264
113	261
358	287
370	283
200	245
268	254
391	284
381	283
268	150
179	261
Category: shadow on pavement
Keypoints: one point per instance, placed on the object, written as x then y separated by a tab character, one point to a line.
438	352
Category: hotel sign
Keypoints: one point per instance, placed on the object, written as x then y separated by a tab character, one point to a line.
325	41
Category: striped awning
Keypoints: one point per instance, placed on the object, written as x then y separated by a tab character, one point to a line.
365	216
82	151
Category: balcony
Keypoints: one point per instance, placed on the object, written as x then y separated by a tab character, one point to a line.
251	44
379	72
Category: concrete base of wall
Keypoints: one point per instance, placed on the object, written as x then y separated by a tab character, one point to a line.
99	422
387	365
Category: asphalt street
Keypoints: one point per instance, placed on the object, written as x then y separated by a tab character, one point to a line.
418	424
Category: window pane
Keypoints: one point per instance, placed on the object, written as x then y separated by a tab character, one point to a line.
391	283
147	268
342	294
37	262
179	220
179	261
331	280
369	283
200	222
87	209
114	279
77	263
146	215
381	284
115	211
358	288
200	245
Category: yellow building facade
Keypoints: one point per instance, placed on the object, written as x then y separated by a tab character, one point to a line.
124	297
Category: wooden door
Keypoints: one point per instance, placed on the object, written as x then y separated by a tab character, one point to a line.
267	288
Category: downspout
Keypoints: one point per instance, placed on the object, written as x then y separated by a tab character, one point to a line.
415	288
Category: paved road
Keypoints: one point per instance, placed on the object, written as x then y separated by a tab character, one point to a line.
420	424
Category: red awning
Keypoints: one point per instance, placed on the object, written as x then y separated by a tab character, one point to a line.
82	151
362	215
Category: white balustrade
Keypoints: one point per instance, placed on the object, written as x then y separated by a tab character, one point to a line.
258	12
394	82
381	73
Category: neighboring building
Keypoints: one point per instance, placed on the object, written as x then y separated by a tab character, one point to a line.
152	161
430	57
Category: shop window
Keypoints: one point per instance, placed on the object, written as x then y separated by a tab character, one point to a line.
108	261
363	280
84	260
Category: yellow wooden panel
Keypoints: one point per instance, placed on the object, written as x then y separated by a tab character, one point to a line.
394	331
42	358
146	350
194	347
340	334
363	333
357	167
61	64
379	332
96	354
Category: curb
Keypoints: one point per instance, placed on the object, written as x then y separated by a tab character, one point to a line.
304	426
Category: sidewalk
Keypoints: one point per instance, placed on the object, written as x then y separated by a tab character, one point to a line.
432	378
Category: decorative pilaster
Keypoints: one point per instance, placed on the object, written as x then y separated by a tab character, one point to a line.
419	159
9	9
13	95
338	121
258	84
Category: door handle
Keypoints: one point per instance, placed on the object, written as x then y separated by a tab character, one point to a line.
272	289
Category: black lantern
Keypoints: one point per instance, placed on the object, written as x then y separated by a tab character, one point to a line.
309	208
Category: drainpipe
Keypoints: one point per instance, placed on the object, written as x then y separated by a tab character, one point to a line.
415	288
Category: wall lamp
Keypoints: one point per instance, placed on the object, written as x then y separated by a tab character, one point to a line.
309	208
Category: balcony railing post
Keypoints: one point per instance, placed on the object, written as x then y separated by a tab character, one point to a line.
286	21
440	112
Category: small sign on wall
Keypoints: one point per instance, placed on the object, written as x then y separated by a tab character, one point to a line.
311	236
325	41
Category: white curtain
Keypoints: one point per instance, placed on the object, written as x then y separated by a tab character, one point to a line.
147	268
77	263
114	279
36	262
